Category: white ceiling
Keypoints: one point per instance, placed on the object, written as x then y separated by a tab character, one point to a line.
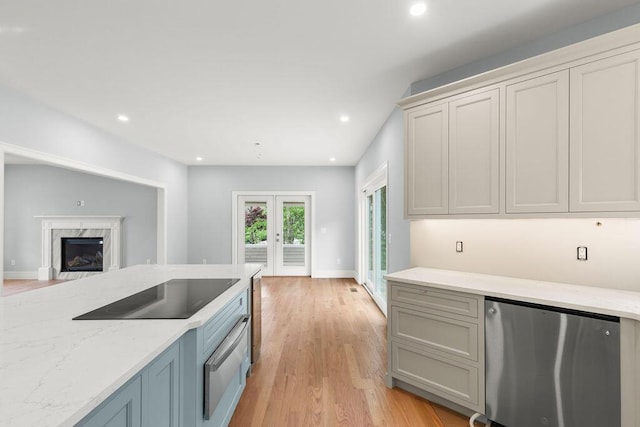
212	78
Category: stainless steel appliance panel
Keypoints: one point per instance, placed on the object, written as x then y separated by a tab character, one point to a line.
551	367
224	364
256	317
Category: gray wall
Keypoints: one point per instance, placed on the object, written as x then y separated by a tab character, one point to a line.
30	124
388	143
210	210
44	190
604	24
388	146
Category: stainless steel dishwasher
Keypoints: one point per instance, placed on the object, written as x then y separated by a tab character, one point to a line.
547	366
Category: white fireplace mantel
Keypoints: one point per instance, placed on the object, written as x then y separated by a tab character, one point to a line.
50	223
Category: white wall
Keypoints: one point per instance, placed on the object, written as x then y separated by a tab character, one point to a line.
210	210
30	124
541	249
45	190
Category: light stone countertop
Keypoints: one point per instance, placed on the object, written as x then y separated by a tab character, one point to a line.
54	370
621	303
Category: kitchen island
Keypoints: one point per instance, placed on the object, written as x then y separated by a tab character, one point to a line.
54	371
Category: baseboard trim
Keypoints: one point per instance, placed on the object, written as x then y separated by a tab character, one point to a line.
21	275
334	274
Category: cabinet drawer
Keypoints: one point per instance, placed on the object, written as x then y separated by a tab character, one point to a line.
455	381
449	302
439	333
214	331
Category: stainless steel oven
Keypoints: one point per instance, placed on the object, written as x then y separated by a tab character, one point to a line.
224	364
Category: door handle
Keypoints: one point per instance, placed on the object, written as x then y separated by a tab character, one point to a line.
277	237
229	344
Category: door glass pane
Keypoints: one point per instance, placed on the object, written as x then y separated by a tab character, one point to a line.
381	241
293	232
255	233
370	240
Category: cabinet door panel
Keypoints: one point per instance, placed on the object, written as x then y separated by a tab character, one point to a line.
605	140
474	153
123	409
449	302
426	160
537	144
454	381
436	332
164	389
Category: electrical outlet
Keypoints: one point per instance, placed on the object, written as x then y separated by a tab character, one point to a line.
204	260
13	262
582	253
459	246
148	261
338	261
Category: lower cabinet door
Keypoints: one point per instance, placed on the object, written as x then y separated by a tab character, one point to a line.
457	382
164	389
123	409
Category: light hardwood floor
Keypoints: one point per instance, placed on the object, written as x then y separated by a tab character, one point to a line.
323	362
11	287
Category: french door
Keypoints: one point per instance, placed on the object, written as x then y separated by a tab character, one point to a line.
274	230
374	220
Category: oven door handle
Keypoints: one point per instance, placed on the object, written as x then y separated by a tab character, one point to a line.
229	344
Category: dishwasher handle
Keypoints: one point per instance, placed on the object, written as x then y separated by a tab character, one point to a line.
229	344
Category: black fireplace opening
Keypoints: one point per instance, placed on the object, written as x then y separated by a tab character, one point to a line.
81	253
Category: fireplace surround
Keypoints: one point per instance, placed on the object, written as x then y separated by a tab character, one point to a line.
57	228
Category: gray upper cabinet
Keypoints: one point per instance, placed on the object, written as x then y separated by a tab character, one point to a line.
537	144
426	160
605	144
557	135
474	153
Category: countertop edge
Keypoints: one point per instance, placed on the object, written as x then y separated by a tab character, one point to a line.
613	302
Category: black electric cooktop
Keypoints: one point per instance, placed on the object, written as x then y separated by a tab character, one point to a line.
175	299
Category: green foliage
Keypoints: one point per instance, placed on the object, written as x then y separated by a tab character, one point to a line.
293	224
255	225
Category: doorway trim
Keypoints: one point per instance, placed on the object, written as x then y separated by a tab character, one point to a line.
234	220
379	175
75	165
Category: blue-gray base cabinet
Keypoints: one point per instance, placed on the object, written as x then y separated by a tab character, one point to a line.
199	345
150	398
169	392
124	408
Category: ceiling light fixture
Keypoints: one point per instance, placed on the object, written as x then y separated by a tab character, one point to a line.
418	9
199	158
344	118
332	159
123	118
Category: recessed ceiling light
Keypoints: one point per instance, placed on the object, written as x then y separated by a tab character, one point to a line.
418	9
344	118
199	158
332	159
123	118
